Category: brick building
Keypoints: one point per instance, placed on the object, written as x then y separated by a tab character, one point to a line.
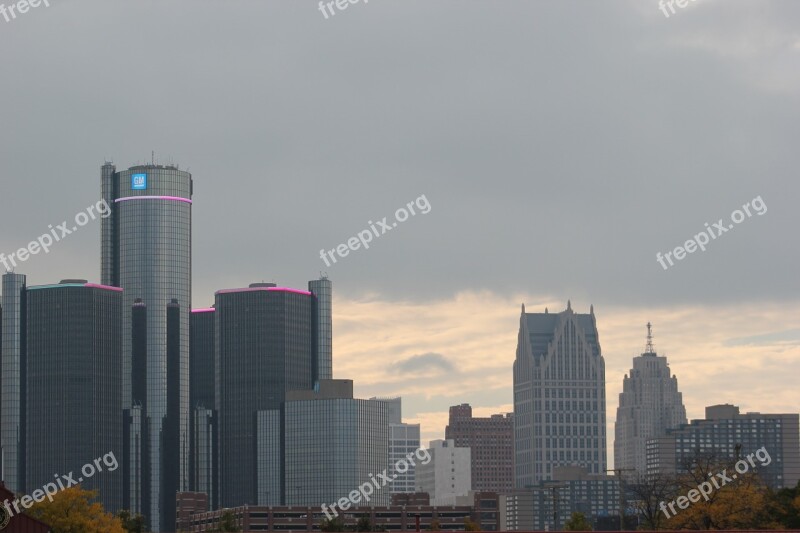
492	443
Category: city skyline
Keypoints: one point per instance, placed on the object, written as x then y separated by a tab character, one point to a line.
555	177
437	420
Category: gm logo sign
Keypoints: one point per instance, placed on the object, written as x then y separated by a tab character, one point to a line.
139	182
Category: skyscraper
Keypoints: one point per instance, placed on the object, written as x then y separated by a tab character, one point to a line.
265	347
73	381
333	444
12	380
491	441
203	470
649	405
323	290
146	250
404	439
559	395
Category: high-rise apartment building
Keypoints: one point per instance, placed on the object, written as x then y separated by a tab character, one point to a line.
333	444
649	404
491	441
146	249
265	338
12	381
448	473
559	395
727	435
73	401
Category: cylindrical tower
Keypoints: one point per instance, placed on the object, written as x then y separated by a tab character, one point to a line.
150	256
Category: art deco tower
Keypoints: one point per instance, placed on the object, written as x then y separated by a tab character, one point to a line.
648	405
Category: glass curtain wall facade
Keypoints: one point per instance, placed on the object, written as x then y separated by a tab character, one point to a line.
203	422
332	446
146	249
265	346
73	382
323	290
12	380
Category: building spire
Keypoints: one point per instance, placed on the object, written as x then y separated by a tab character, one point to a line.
649	348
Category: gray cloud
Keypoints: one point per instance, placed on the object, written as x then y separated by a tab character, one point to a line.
426	362
561	144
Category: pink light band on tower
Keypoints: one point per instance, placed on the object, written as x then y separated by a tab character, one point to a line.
172	198
270	289
287	289
104	287
204	310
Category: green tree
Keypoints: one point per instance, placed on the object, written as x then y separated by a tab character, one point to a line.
741	503
577	522
227	522
364	523
335	524
132	523
435	525
470	525
650	491
787	506
74	511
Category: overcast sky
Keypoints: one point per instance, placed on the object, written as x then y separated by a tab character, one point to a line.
560	145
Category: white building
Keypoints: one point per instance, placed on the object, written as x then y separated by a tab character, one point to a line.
447	475
404	440
649	405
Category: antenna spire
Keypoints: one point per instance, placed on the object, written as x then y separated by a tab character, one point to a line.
649	348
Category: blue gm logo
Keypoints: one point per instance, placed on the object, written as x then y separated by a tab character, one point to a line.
139	182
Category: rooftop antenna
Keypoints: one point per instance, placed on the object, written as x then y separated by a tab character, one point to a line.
649	348
153	157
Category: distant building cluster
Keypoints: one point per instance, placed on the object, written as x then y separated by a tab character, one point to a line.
232	413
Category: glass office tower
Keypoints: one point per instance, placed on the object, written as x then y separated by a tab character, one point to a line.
73	381
146	250
12	380
265	346
333	444
323	290
202	450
